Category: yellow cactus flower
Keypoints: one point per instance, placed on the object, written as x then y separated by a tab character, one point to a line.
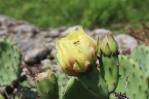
76	52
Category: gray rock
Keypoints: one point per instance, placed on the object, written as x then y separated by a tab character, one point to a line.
45	62
45	34
62	34
3	32
62	29
26	42
54	33
99	33
52	54
67	31
50	45
35	56
126	43
48	40
26	28
6	21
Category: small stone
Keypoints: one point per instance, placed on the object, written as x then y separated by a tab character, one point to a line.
62	34
48	40
52	54
24	71
25	28
126	43
34	56
6	21
45	62
100	33
3	32
54	33
51	45
44	34
67	31
62	29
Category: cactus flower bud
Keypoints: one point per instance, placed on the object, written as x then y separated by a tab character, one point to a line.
109	45
76	52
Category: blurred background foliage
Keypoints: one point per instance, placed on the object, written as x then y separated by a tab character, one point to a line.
89	13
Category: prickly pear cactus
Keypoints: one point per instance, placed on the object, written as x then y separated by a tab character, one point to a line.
95	84
9	62
109	62
132	82
76	90
62	83
88	86
141	56
111	70
47	85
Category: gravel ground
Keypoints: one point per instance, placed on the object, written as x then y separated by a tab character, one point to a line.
38	45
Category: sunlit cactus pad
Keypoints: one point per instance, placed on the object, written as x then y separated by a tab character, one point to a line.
141	56
132	82
9	62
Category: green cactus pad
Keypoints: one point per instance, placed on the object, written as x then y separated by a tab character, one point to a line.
62	83
76	90
90	85
132	81
47	85
95	82
9	62
141	56
111	70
